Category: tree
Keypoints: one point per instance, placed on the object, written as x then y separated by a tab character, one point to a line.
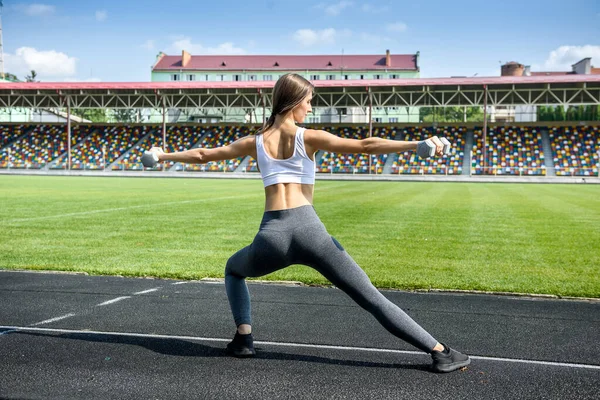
451	114
11	77
92	114
571	114
125	115
559	113
31	78
542	113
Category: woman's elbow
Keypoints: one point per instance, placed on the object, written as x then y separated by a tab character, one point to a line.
369	145
199	156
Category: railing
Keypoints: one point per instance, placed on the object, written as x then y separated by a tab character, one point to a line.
575	171
510	171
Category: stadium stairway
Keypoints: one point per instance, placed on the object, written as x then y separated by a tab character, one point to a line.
468	151
21	136
549	158
243	165
318	157
387	167
126	152
197	144
52	164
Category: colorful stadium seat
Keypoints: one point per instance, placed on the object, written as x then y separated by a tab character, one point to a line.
575	150
509	151
450	164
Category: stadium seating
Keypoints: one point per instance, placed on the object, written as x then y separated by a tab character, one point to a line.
7	135
102	147
217	137
42	145
516	150
354	163
451	164
575	150
510	151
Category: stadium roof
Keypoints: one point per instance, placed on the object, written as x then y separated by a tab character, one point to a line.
506	90
275	63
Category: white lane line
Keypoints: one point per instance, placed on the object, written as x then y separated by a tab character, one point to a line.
9	331
53	319
113	301
124	208
178	283
286	344
148	291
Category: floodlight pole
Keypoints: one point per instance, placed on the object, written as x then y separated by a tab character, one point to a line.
69	132
262	98
485	93
164	125
370	120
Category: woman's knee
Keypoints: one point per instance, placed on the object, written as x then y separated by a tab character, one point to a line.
230	266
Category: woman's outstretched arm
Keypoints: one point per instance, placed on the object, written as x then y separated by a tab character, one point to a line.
240	148
323	140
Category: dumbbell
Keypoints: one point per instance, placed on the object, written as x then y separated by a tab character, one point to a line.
426	148
149	159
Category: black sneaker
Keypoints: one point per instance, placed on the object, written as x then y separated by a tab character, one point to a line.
448	360
241	346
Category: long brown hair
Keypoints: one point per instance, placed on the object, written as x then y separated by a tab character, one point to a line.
289	91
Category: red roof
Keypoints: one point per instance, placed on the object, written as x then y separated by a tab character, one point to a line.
498	80
283	63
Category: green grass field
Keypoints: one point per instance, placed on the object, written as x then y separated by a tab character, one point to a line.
528	238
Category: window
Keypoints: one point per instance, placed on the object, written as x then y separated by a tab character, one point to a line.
362	77
376	76
394	76
267	77
175	77
393	119
191	77
346	77
314	77
330	77
393	108
220	78
377	119
237	78
251	77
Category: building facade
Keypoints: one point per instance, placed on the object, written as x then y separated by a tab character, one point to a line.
244	68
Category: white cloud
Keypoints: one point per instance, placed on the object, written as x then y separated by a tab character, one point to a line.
35	10
564	57
47	64
309	37
374	9
336	8
185	43
396	27
101	15
374	39
148	45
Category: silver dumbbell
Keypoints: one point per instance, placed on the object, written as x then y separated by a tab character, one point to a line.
149	159
426	148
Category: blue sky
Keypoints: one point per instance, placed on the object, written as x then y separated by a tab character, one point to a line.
116	41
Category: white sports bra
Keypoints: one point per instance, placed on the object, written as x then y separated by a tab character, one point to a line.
299	168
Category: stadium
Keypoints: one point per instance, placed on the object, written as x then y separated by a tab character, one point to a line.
512	212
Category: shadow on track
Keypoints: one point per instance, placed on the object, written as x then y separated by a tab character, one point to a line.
184	348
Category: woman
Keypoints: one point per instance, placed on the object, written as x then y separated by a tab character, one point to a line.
291	232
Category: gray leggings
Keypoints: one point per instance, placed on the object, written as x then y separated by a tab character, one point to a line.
297	236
